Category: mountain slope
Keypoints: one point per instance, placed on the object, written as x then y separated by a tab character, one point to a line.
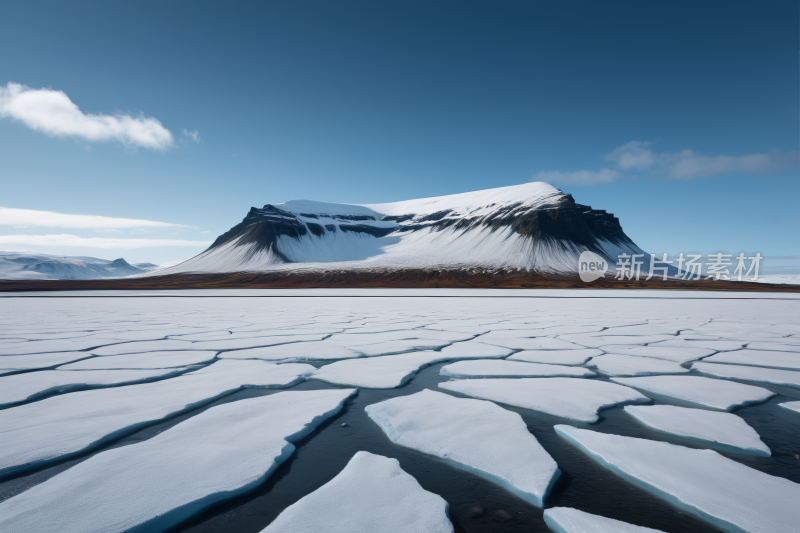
532	226
29	265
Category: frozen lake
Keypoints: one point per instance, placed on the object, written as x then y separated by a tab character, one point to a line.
125	409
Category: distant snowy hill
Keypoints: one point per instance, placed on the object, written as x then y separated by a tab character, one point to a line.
532	226
29	265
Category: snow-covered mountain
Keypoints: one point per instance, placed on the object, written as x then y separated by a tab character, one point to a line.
532	226
30	265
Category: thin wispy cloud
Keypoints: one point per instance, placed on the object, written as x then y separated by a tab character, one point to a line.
579	178
95	242
53	113
48	219
637	158
689	164
193	135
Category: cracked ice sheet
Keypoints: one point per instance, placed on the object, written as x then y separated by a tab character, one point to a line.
142	361
59	427
785	360
794	406
722	431
775	346
510	369
153	485
386	372
143	346
596	341
525	343
475	349
473	435
714	393
371	494
398	347
298	351
254	342
773	376
571	398
569	520
39	347
357	339
630	365
710	345
32	385
669	353
17	363
729	495
556	357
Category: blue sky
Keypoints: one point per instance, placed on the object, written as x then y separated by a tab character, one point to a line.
681	118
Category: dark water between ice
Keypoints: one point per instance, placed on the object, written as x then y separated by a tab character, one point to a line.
583	484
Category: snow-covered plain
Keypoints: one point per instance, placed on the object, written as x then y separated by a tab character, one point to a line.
59	460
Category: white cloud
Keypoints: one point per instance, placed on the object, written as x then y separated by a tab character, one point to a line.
53	113
581	177
688	164
95	242
632	155
194	134
49	219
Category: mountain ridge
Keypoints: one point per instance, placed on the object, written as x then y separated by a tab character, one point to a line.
533	226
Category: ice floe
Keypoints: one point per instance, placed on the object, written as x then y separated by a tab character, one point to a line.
510	369
710	345
372	494
300	351
473	349
386	372
714	393
62	426
572	398
389	371
142	361
524	343
774	376
473	435
721	491
556	357
786	360
722	431
145	346
569	520
251	342
31	385
154	485
398	347
792	346
18	363
597	341
631	365
794	406
669	353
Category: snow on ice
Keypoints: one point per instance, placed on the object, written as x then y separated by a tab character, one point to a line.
372	494
473	435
